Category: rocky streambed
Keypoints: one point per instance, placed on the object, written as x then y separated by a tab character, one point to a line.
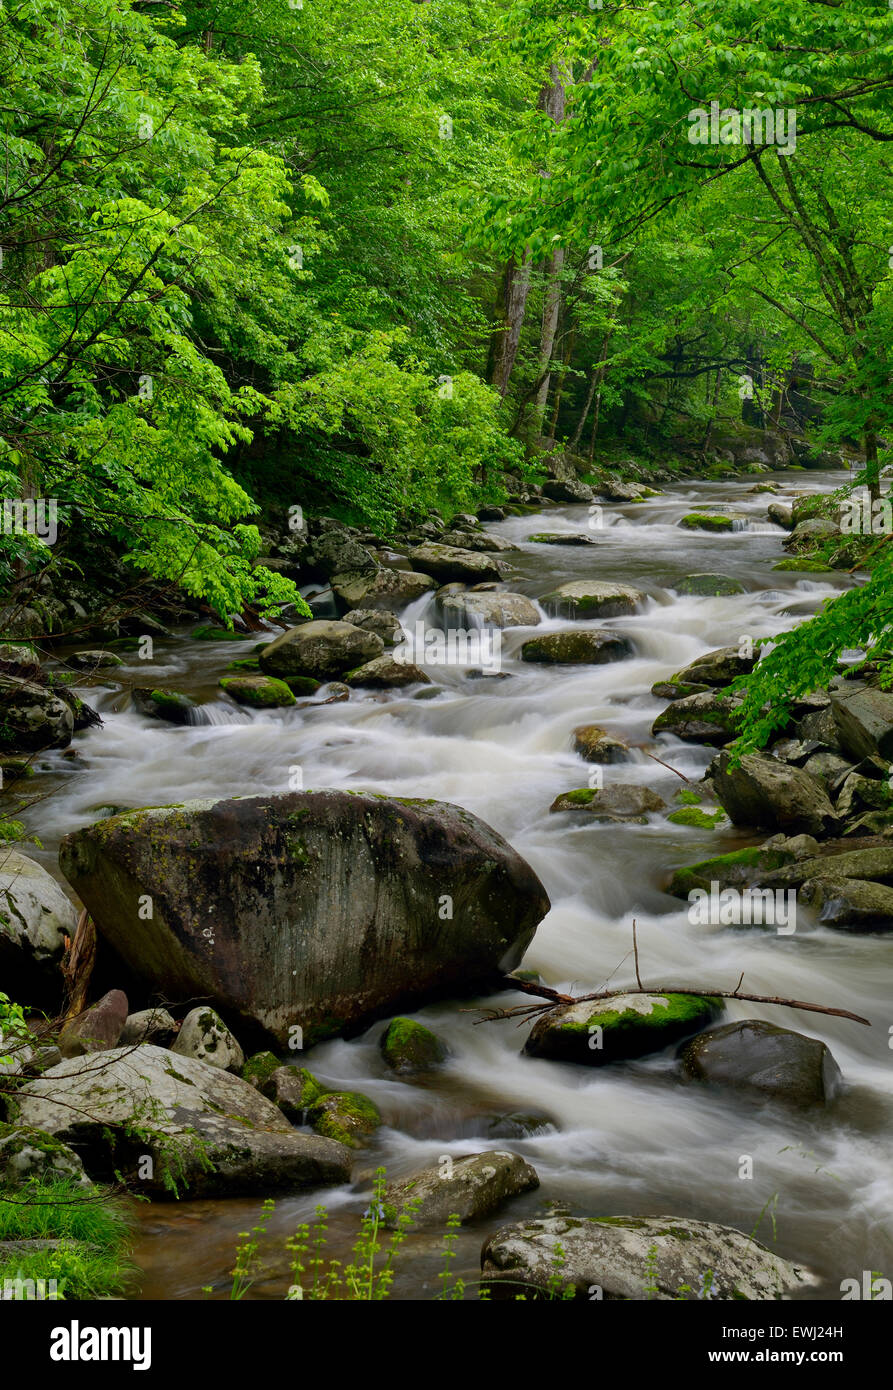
353	830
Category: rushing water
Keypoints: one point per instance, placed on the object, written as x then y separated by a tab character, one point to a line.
623	1139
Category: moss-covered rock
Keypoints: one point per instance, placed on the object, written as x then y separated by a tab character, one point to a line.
408	1047
259	692
204	1036
740	868
219	634
803	564
26	1153
709	586
592	598
259	1068
703	521
709	717
170	705
626	1026
346	1116
596	745
471	1187
577	646
622	801
246	663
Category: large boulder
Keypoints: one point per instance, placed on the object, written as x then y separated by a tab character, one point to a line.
35	918
599	1031
347	1116
149	1026
31	717
719	667
764	1060
171	706
591	598
567	490
27	1153
708	586
202	1128
705	717
596	745
863	716
488	610
471	1188
204	1035
447	562
621	801
322	649
849	904
387	625
318	910
387	589
97	1029
577	646
258	692
634	1257
763	791
385	672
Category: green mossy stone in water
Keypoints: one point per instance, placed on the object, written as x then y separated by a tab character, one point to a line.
803	564
739	868
248	663
170	705
701	521
260	692
302	685
709	586
597	1032
219	634
346	1116
694	816
259	1068
409	1047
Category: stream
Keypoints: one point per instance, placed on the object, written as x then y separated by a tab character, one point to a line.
625	1139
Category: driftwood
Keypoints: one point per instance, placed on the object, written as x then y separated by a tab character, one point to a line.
77	967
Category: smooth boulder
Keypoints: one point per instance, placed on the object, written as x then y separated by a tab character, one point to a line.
35	918
590	598
767	1061
322	649
761	790
576	647
470	1187
97	1029
204	1035
599	1031
32	718
496	610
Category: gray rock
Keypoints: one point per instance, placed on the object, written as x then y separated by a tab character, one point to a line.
622	801
387	589
705	717
321	649
27	1153
577	646
767	1061
471	1187
204	1036
188	1116
864	719
849	904
596	1032
35	918
32	718
763	791
781	515
93	660
635	1257
386	625
717	668
169	705
596	745
386	672
326	909
709	585
98	1028
447	563
567	490
148	1026
488	610
591	598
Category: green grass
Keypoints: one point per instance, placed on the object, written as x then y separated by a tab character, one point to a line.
93	1262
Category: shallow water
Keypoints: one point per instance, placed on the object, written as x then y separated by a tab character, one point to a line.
624	1139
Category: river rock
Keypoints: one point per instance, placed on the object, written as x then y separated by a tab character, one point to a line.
781	515
409	1047
720	667
615	1030
258	692
336	552
705	521
169	705
596	745
387	625
491	513
188	1115
205	1036
577	646
149	1026
567	490
326	909
590	598
763	791
346	1116
32	718
863	717
98	1028
765	1060
561	538
709	585
849	904
480	610
634	1257
386	672
622	801
706	717
613	490
35	918
471	1187
388	589
19	659
809	534
93	660
446	563
872	863
476	540
27	1153
322	649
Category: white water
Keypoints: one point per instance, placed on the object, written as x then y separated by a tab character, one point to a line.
624	1139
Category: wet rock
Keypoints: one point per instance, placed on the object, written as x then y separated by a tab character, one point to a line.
720	667
93	660
336	552
518	1124
561	538
567	490
741	868
19	659
596	745
600	1031
204	1036
703	521
408	1047
387	672
322	649
169	705
347	1116
326	909
292	1089
190	1115
863	717
635	1257
27	1153
497	610
98	1028
258	692
781	515
706	717
763	791
472	1188
479	540
387	589
577	646
807	535
32	718
709	585
446	563
149	1026
490	513
613	490
874	863
849	904
619	802
386	625
35	918
767	1061
859	794
589	598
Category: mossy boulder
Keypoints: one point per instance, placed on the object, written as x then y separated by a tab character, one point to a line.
703	521
27	1153
710	717
204	1036
471	1187
242	664
35	918
292	1089
94	660
592	598
718	668
577	646
740	868
322	649
626	1026
768	1062
561	538
803	564
32	718
762	791
596	745
219	634
409	1047
709	586
347	1116
622	801
170	705
259	1068
259	692
386	672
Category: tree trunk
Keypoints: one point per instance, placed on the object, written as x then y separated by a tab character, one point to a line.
552	102
511	308
872	468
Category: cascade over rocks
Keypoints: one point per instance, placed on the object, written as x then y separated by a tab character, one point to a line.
326	909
